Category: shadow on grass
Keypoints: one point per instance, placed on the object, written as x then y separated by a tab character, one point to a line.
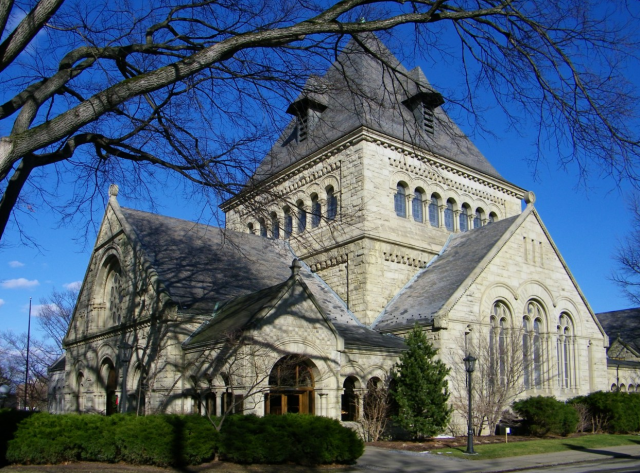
600	451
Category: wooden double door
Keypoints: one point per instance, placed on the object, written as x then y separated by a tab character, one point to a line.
290	402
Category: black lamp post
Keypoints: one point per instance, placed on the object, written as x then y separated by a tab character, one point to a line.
126	351
470	366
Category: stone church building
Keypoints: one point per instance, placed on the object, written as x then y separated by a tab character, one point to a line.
372	212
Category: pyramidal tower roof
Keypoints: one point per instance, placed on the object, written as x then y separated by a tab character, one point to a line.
367	86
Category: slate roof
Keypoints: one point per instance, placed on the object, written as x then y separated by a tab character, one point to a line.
201	265
236	275
359	90
422	298
58	365
624	324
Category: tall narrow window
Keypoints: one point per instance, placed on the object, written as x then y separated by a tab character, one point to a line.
416	205
275	227
400	201
502	352
526	352
493	369
250	228
448	216
498	342
302	218
559	355
537	354
434	212
332	204
567	359
492	217
263	228
464	219
427	117
288	223
316	211
477	219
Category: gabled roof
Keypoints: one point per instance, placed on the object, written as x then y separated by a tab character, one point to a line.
623	324
201	266
422	298
358	91
240	313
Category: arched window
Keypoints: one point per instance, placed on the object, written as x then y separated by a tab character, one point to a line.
275	226
80	393
537	354
498	351
434	211
526	352
302	217
564	351
614	388
416	205
400	201
114	293
332	204
291	387
477	219
493	217
464	218
316	211
623	388
349	399
376	404
288	223
263	227
250	228
448	215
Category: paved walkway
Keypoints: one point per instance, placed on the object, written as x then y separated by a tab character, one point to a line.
378	459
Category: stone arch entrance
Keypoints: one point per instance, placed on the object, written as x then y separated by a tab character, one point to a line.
109	378
291	387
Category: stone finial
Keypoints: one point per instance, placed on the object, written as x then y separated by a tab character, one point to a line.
529	197
113	190
295	267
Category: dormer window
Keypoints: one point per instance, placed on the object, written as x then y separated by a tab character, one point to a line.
307	109
423	105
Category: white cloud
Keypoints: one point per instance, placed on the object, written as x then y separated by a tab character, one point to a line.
36	309
73	286
1	302
16	264
20	283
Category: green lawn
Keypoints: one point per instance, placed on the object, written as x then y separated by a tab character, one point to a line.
500	450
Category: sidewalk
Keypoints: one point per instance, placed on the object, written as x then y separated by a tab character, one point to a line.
378	459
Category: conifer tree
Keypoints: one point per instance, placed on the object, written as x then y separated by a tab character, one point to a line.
420	389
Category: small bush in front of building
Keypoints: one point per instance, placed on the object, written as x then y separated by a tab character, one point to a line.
543	415
161	440
297	438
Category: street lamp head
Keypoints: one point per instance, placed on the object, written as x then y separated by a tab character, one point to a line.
469	363
126	351
4	391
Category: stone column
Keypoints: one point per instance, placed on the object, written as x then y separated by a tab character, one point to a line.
409	205
441	215
456	221
219	399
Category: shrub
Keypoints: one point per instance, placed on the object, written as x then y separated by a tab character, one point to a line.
542	415
302	439
613	412
153	440
9	420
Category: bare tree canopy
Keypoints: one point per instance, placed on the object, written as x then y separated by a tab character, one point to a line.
627	257
55	314
123	91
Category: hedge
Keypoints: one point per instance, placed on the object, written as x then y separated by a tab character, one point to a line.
612	412
172	440
152	440
296	438
543	415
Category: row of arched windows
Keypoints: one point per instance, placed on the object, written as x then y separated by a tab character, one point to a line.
439	214
298	218
625	389
535	361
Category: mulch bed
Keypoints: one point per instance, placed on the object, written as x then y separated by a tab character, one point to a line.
432	444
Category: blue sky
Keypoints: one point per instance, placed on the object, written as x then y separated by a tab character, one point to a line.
586	220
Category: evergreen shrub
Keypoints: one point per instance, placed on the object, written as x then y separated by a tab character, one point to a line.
9	420
296	438
542	415
613	412
161	440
